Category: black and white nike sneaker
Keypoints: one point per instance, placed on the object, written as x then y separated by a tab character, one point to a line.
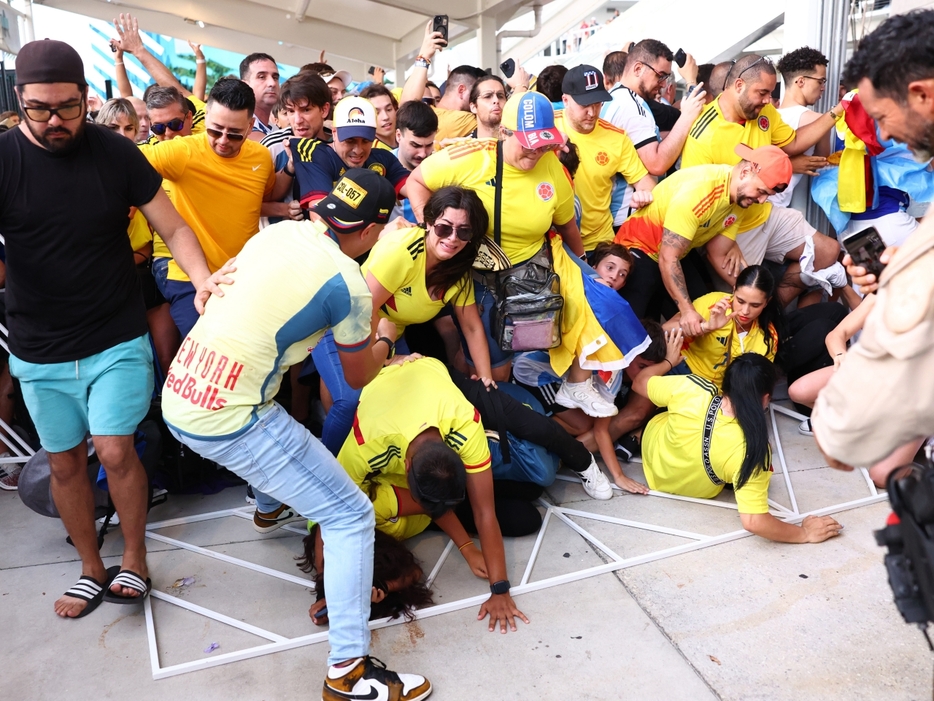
367	679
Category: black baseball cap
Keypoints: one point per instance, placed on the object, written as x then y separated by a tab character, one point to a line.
360	198
585	84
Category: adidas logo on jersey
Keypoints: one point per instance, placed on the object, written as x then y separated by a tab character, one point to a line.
406	291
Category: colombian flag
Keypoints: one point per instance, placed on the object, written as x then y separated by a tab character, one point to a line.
857	186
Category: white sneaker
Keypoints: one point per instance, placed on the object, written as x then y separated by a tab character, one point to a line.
595	482
584	396
804	428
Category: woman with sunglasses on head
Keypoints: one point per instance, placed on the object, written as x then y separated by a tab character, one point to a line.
120	116
412	274
707	439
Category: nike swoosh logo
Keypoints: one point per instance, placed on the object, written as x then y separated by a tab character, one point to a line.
374	693
255	168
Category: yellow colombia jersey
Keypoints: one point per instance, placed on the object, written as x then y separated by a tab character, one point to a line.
292	284
672	452
380	145
397	261
402	402
604	152
453	124
532	199
694	203
159	249
709	354
712	140
219	198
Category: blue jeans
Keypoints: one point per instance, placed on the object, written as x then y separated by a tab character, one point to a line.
339	421
280	457
160	271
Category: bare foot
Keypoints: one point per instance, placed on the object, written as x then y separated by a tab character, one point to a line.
71	607
629	485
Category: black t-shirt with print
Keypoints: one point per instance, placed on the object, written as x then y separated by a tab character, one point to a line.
72	289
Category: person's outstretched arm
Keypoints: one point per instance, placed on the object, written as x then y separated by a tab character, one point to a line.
813	529
130	42
201	71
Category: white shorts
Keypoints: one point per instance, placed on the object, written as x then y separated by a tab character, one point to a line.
894	227
783	231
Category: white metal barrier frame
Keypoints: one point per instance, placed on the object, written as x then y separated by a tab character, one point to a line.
615	563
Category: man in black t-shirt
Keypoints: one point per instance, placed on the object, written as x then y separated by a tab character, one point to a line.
75	311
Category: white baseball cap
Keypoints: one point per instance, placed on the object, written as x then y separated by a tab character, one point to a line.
355	116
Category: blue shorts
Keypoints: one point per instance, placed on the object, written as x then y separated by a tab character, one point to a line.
107	394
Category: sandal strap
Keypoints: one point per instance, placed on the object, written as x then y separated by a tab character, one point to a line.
86	588
130	580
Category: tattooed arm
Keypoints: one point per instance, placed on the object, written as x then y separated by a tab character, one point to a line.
673	248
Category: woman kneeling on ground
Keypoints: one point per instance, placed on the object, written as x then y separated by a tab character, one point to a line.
707	440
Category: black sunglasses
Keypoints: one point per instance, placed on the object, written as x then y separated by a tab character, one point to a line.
160	127
443	231
429	101
65	112
217	133
761	59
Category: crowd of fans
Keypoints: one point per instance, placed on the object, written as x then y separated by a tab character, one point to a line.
318	285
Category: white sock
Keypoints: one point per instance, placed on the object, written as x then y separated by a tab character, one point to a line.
335	672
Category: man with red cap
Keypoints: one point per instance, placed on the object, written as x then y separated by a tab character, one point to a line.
693	207
78	336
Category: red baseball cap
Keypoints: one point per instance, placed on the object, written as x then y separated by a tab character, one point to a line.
773	164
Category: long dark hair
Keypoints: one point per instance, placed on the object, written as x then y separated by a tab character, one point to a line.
447	273
748	379
391	560
771	320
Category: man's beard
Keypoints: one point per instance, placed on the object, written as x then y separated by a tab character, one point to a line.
57	145
923	148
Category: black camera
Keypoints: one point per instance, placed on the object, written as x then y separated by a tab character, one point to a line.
909	537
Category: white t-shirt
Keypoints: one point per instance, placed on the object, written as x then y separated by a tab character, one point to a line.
791	117
629	112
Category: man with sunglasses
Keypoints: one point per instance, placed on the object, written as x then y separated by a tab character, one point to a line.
804	73
604	150
648	68
219	181
743	114
78	333
414	437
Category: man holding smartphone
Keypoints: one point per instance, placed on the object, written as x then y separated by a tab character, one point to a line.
894	71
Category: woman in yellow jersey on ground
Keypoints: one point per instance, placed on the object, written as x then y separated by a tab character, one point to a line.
706	440
751	321
745	322
119	115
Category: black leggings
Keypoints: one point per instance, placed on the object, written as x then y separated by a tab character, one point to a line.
522	422
804	350
516	514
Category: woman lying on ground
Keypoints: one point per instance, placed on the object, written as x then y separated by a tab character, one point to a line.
804	391
397	578
751	321
707	440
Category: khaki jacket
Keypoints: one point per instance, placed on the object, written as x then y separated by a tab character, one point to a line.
883	394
